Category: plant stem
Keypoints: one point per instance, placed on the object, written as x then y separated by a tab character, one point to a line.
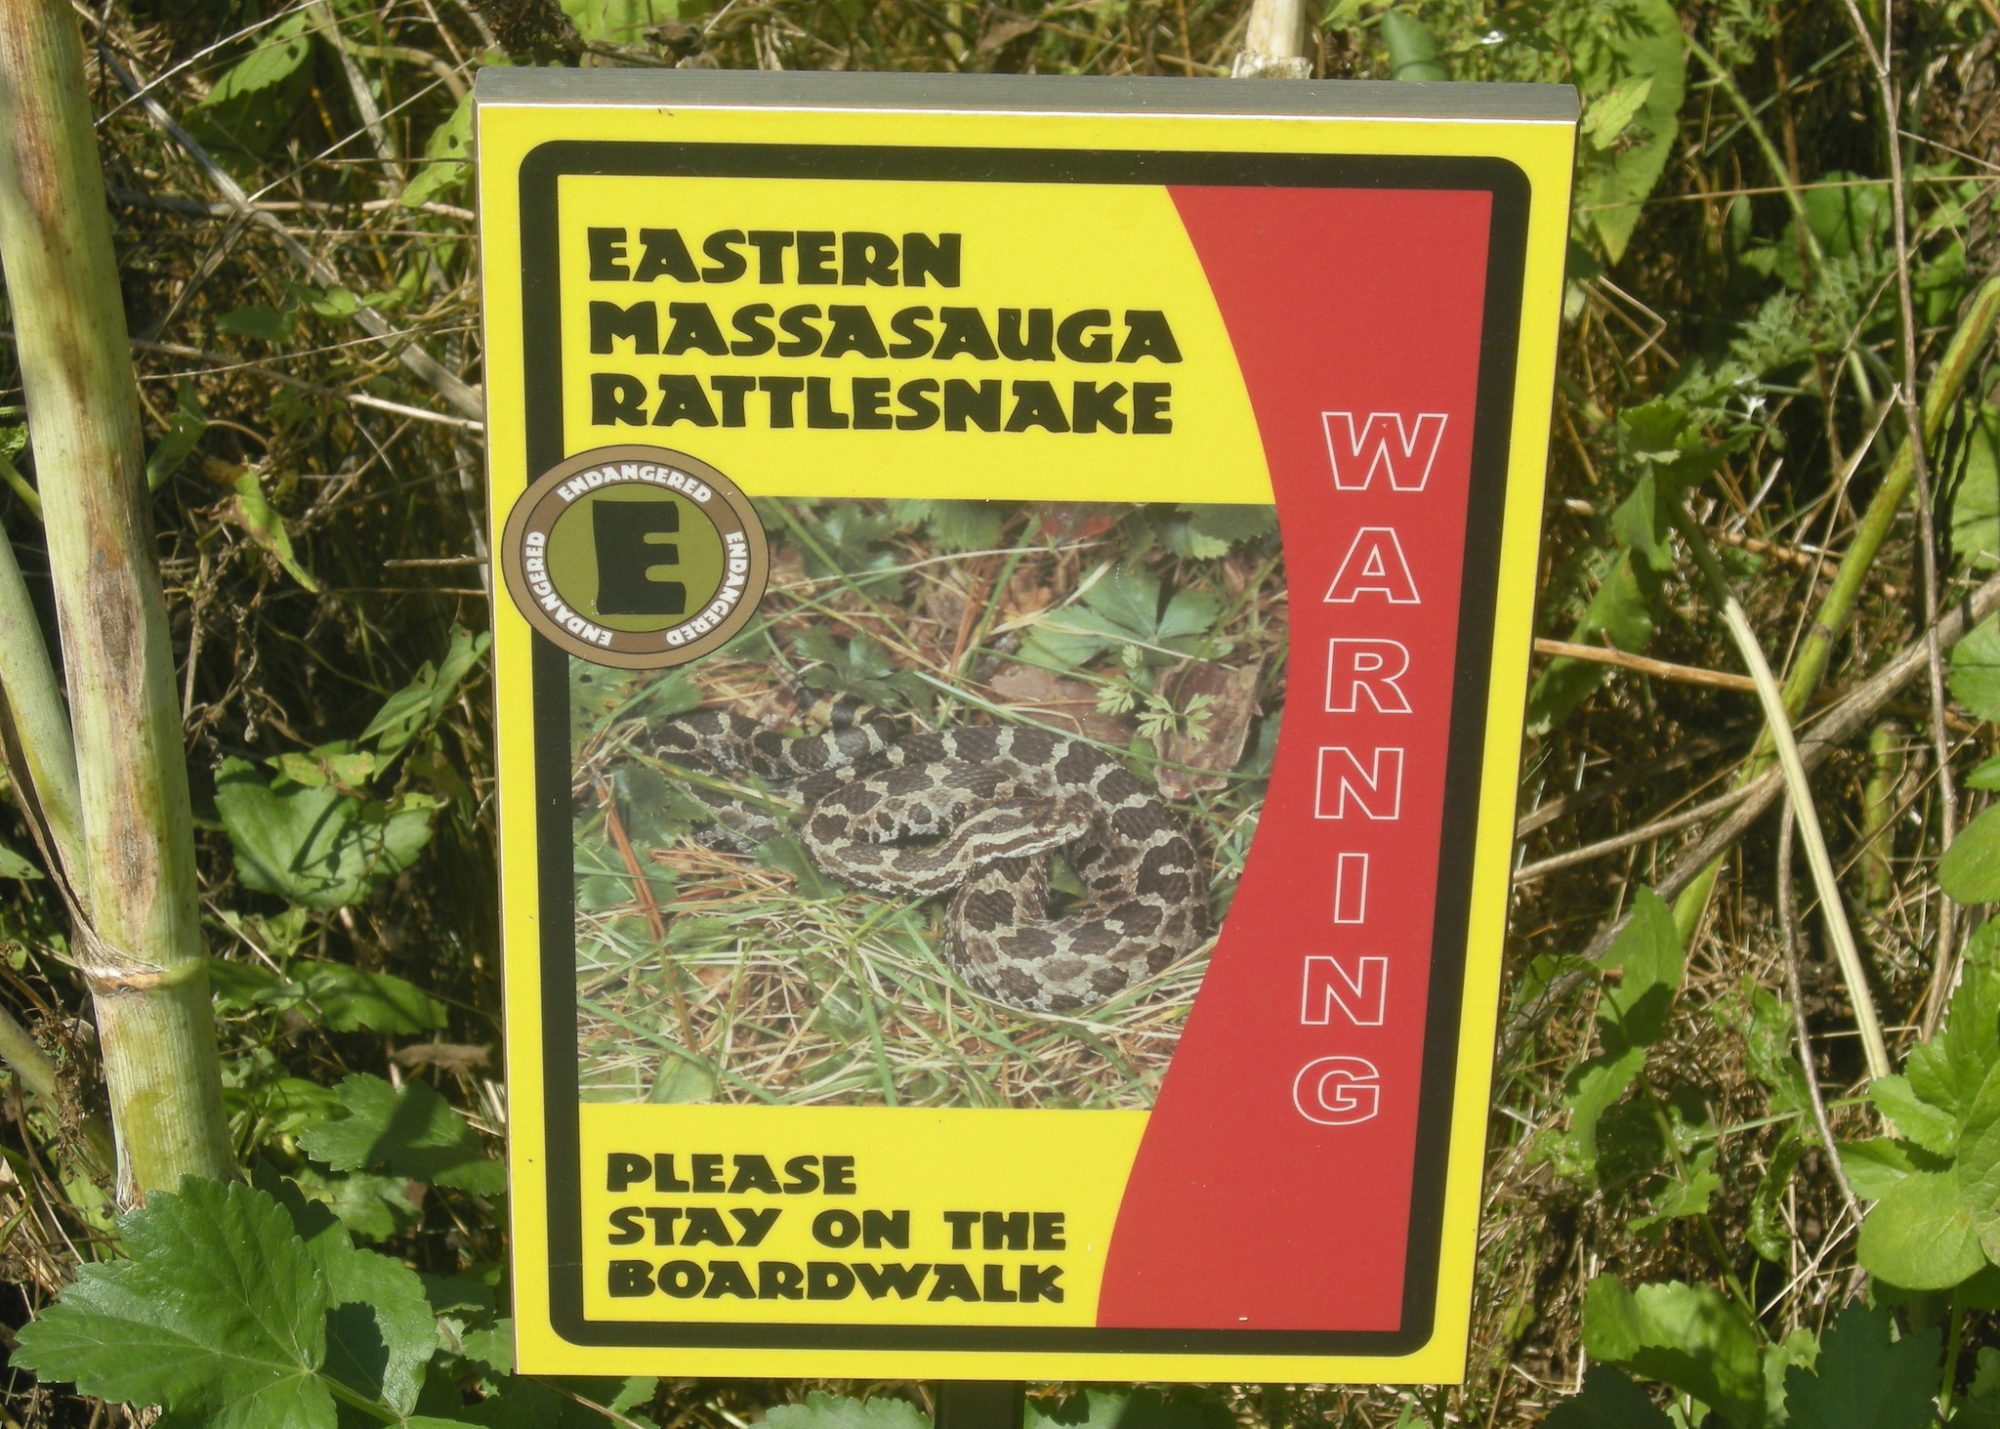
138	932
1816	650
31	697
1779	726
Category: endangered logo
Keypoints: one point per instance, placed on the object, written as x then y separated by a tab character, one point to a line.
635	556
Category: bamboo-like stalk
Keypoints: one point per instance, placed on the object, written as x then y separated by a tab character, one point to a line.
1274	42
137	928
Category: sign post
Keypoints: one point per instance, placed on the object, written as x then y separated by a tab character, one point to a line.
1100	983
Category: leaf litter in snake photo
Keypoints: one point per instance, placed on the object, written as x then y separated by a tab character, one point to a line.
953	822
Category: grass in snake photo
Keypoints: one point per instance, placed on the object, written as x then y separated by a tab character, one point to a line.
736	941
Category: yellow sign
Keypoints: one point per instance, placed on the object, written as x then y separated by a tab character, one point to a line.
1016	607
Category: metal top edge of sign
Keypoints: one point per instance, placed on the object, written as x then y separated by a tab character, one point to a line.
1075	94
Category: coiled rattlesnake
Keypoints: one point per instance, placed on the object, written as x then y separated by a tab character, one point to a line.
979	809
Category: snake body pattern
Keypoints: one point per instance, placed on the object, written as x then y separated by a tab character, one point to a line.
979	809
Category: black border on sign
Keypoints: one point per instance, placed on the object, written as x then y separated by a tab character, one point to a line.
541	344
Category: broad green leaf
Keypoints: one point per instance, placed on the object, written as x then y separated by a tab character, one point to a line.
1599	1084
1612	113
1921	1234
1863	1379
278	53
1975	669
1609	1401
381	1332
1689	1336
351	1000
1949	1070
1648	955
1875	1166
258	320
1123	609
372	1207
1639	41
1683	1196
1985	775
1800	1347
319	847
829	1411
1970	869
12	865
409	1130
1932	1128
1412	52
219	1314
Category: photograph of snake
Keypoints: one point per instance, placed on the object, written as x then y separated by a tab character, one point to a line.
952	822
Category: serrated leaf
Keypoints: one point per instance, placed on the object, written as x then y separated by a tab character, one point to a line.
1969	872
220	1312
409	710
1921	1234
1932	1128
1643	42
184	429
1609	1401
1767	1232
408	1130
1612	113
1863	1379
1689	1336
829	1411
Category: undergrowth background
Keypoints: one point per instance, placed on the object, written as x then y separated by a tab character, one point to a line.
1759	303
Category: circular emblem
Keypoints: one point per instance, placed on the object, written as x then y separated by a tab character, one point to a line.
636	557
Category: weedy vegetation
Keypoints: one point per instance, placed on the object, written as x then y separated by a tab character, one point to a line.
1713	1195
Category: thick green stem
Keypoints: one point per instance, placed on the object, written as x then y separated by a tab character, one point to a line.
1876	522
1885	755
138	932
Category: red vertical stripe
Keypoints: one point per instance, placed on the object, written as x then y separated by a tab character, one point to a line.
1242	1212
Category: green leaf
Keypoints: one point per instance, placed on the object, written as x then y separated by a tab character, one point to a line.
1930	1127
12	865
828	1411
954	525
411	1131
1970	869
1921	1234
1609	1401
351	1000
1611	54
279	52
1689	1336
258	320
257	516
1122	608
1684	1196
1412	52
1975	669
1863	1380
411	709
449	149
619	22
1975	496
1599	1084
220	1315
319	847
1873	1167
184	429
1611	114
1648	954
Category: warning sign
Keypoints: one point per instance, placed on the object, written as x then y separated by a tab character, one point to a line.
1016	608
